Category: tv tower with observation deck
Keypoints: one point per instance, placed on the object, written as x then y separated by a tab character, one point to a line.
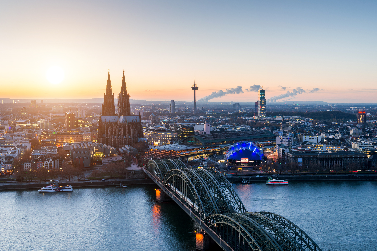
194	88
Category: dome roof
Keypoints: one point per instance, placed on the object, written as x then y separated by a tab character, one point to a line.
243	150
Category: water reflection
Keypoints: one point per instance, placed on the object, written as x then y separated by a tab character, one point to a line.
199	241
156	213
158	194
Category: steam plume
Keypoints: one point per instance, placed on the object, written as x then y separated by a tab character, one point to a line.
253	88
294	92
314	90
221	93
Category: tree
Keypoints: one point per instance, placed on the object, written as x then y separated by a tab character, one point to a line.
69	171
42	173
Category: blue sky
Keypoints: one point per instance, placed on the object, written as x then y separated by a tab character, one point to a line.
164	46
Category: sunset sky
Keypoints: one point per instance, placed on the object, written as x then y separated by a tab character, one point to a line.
326	48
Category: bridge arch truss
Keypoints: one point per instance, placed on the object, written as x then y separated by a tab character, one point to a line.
210	196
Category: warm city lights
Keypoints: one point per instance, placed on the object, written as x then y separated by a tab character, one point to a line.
188	125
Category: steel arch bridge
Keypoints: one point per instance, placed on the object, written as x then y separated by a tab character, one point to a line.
209	198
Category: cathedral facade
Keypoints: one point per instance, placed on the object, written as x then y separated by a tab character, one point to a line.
121	128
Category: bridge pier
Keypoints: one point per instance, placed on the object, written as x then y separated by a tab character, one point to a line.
161	196
205	243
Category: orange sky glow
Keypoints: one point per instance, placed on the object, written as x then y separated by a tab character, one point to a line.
164	47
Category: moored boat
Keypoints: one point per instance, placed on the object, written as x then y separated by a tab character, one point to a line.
244	181
66	188
48	189
276	182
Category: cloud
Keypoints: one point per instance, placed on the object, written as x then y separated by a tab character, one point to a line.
221	93
314	90
254	88
283	87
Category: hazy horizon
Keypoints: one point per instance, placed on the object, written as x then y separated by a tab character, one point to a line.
304	50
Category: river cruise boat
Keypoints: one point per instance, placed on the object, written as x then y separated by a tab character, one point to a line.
66	188
48	189
276	182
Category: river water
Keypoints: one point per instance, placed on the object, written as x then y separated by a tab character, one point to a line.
336	215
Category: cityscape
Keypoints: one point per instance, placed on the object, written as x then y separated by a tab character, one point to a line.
168	153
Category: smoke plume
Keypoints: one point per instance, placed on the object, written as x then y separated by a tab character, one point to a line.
254	88
314	90
294	92
221	93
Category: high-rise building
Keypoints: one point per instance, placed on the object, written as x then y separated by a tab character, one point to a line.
70	121
361	117
121	129
256	108
172	107
33	103
261	104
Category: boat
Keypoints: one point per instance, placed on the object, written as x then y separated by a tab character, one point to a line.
244	181
66	188
272	181
48	189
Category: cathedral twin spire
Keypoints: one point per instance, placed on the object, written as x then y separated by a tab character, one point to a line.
108	108
123	99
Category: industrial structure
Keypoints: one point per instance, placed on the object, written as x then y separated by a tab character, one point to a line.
194	88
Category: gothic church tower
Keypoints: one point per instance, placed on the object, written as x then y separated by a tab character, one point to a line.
123	99
108	108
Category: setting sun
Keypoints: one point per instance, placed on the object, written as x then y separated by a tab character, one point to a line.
55	75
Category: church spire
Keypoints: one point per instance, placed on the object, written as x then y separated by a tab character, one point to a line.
108	108
109	86
123	99
123	85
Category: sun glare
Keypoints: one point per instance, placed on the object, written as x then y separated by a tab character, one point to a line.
55	74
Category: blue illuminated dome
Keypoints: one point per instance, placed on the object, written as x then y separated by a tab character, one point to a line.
244	151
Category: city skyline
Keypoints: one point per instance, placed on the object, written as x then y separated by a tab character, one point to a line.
304	51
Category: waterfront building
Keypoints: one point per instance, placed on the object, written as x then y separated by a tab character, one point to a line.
335	161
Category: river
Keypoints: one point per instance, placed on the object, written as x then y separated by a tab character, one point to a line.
336	215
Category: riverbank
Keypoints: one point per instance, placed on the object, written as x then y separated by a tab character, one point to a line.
10	185
14	185
303	177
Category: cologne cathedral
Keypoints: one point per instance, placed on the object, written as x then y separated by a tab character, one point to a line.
121	128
